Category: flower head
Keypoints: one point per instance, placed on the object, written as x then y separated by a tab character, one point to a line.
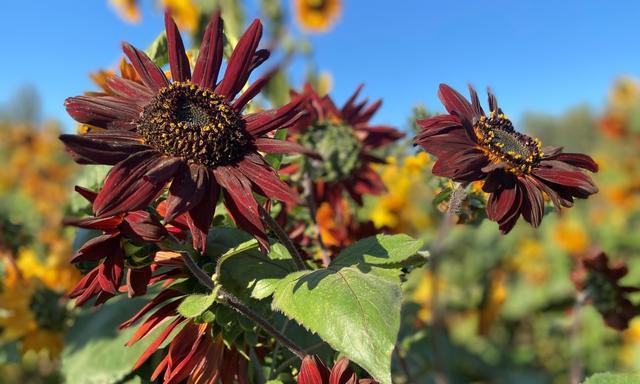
517	171
125	247
600	281
196	351
346	141
189	132
317	15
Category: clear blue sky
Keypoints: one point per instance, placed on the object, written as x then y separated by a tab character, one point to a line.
542	55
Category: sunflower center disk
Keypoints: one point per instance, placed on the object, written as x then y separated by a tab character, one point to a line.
186	121
339	148
504	145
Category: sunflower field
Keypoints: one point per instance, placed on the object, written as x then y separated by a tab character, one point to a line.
213	210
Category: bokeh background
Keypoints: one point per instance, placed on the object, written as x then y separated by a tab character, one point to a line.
497	309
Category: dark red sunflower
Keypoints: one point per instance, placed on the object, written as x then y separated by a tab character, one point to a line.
120	249
189	132
600	281
517	171
194	352
313	371
346	141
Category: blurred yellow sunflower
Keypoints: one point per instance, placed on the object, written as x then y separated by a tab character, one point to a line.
32	305
492	301
423	295
185	12
128	10
396	209
571	236
317	15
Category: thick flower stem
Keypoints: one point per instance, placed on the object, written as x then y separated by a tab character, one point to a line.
232	301
457	198
283	237
313	211
576	371
235	303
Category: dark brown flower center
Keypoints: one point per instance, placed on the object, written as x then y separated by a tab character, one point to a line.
503	144
186	121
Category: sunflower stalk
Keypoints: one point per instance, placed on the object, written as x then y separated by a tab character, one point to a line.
283	237
576	370
313	211
455	203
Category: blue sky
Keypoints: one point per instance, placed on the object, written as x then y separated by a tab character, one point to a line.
542	56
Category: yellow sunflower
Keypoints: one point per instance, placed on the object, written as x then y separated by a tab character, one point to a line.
317	15
127	9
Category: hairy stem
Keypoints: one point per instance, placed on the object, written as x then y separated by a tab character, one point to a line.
283	237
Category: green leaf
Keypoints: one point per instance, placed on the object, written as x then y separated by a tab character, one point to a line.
359	293
265	286
249	268
94	349
380	250
613	378
357	313
158	51
195	305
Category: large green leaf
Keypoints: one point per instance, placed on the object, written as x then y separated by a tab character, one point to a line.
95	349
358	314
354	305
613	378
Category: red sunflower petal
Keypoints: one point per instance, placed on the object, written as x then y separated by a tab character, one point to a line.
178	61
577	160
240	202
110	271
98	248
341	374
475	102
160	298
125	188
268	145
266	180
260	123
142	226
185	192
500	203
138	280
366	115
129	89
312	371
533	210
102	111
239	64
152	76
205	72
200	216
455	103
108	147
153	347
253	90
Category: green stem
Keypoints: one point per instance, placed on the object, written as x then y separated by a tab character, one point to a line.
283	237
